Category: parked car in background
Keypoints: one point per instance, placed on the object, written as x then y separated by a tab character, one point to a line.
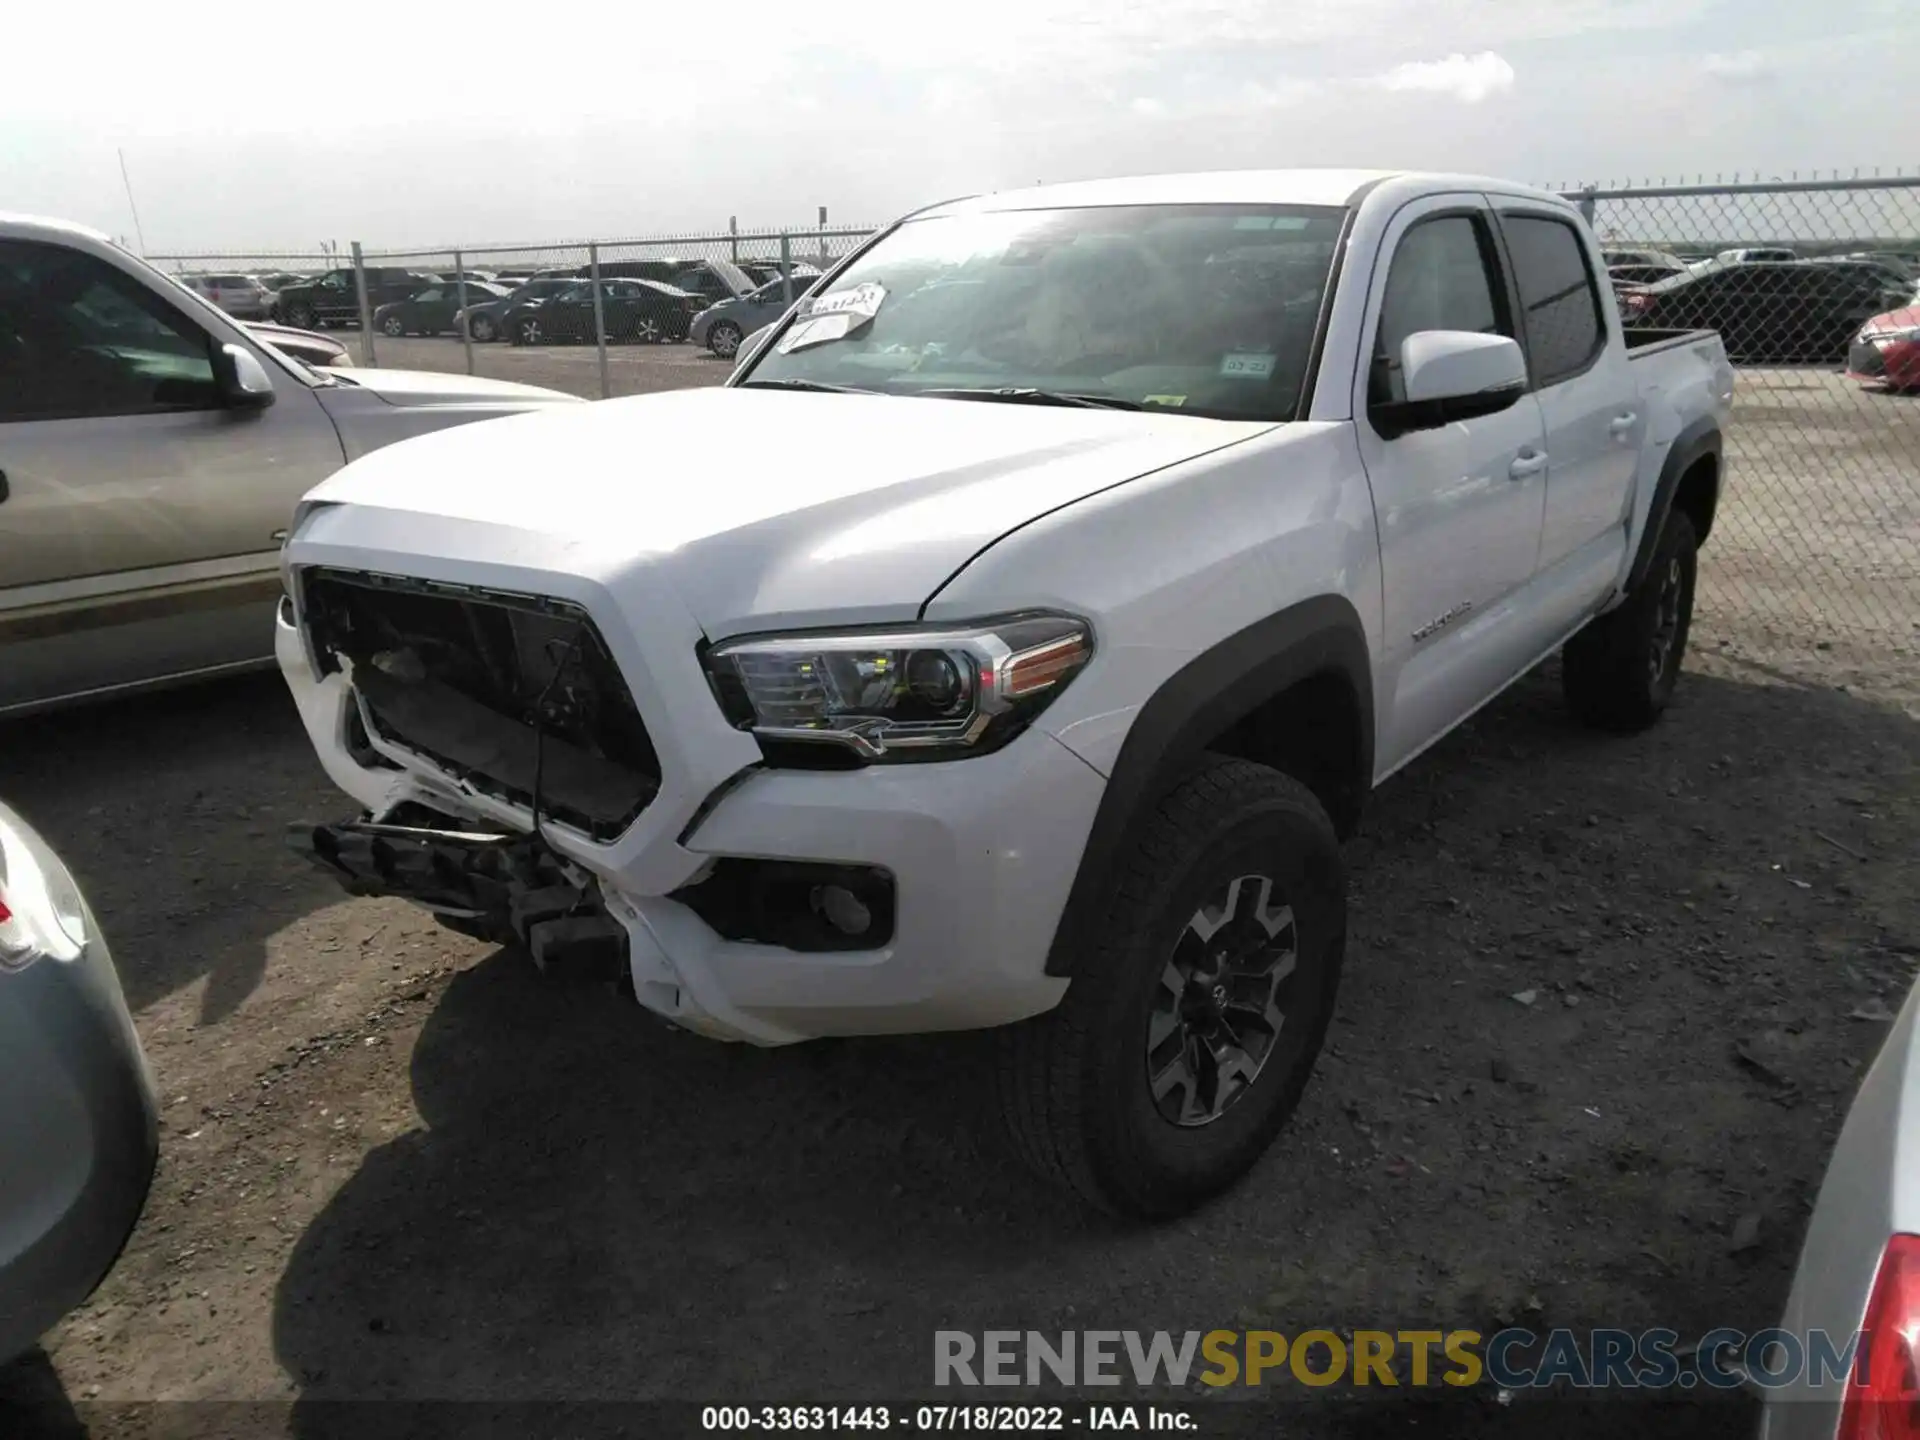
1887	349
334	298
309	347
487	320
716	280
1766	312
1859	1267
79	1129
722	327
1654	259
512	279
1750	253
432	311
1644	274
154	450
1890	273
762	273
278	280
656	267
474	277
241	296
643	310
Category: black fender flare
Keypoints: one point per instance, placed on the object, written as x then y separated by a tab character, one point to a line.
1697	440
1199	702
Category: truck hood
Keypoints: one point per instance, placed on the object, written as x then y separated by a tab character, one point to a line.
767	508
424	387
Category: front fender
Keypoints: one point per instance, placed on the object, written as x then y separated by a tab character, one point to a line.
1202	700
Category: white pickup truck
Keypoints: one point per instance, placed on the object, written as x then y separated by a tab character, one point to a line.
1075	562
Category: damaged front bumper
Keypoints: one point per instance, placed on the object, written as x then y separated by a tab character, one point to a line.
503	888
954	875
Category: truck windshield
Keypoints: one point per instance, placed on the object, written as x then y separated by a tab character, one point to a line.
1204	309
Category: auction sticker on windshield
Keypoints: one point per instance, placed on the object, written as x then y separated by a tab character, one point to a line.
833	317
1244	366
862	300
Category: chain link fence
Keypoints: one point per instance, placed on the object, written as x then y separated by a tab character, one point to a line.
1812	288
1811	285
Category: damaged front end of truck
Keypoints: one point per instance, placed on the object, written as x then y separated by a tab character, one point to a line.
513	697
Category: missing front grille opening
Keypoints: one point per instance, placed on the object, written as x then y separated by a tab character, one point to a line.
456	674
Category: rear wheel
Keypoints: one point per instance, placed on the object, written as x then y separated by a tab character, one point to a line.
1198	1006
647	329
482	328
724	339
301	316
1620	671
529	332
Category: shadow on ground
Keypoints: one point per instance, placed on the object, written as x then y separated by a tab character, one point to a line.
170	810
594	1207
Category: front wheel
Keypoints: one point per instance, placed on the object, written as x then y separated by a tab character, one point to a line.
528	332
724	339
302	317
1198	1004
394	326
1620	671
481	328
647	330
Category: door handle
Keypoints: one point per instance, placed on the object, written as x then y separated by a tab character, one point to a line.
1622	425
1528	462
279	537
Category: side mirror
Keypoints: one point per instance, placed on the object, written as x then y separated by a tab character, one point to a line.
244	382
750	347
1449	375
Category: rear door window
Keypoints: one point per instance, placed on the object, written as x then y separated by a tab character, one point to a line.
1559	301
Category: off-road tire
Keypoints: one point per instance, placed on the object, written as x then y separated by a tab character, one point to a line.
1073	1084
1620	671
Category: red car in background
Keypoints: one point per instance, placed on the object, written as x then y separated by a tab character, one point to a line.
1887	350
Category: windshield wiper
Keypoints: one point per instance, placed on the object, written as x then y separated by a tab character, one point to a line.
1026	395
820	385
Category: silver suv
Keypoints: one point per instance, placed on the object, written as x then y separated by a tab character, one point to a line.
242	296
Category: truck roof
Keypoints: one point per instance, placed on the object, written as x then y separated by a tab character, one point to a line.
46	227
1229	187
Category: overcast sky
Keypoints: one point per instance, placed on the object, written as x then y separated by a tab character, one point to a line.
279	126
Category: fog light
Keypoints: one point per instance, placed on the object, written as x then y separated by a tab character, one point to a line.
842	909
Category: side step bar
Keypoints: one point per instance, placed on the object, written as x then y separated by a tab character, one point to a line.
504	888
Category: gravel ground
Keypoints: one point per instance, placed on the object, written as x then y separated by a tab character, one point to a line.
397	1166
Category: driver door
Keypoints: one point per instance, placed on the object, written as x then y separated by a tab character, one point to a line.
1460	509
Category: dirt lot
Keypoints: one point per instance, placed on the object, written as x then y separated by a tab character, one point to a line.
398	1167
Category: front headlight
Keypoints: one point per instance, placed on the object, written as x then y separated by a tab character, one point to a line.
907	694
41	915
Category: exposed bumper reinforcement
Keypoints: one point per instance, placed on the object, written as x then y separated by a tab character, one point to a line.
504	888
